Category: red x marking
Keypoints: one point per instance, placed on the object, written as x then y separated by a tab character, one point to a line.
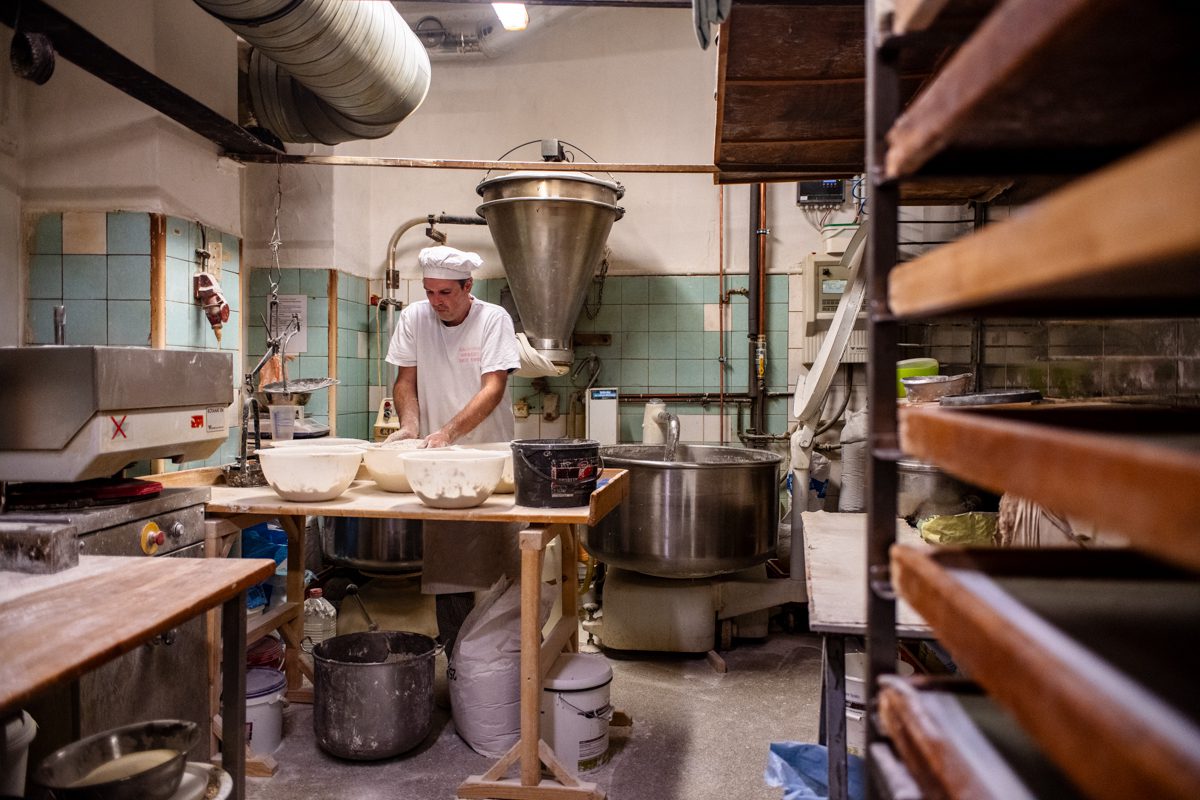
117	427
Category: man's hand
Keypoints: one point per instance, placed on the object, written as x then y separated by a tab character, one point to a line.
400	435
437	439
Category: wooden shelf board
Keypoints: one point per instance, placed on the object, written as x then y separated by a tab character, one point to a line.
1090	651
1063	79
1133	470
365	499
1125	238
958	743
272	619
56	627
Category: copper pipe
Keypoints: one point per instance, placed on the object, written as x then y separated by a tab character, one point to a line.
762	259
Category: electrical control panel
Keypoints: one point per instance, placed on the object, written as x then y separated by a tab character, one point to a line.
824	280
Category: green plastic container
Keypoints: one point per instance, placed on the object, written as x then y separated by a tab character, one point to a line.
911	368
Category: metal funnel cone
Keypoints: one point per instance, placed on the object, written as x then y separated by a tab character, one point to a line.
550	229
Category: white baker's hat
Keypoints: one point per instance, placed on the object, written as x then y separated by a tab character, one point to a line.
448	263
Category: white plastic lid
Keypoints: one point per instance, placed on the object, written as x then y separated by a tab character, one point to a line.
19	730
261	681
578	672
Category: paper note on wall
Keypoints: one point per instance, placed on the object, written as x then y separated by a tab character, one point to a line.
294	305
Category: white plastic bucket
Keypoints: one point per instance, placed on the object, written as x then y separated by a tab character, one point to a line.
576	711
264	709
18	731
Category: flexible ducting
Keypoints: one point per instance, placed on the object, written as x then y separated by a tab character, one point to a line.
328	71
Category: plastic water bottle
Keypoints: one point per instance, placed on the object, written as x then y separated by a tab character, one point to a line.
320	620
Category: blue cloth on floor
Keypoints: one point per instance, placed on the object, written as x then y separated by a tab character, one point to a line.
802	770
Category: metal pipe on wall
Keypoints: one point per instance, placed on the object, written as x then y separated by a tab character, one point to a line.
755	323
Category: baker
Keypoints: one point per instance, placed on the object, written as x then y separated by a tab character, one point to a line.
454	353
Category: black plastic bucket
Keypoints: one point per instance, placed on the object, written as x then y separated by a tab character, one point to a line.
555	473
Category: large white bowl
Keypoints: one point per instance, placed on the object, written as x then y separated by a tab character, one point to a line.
322	441
310	474
453	478
385	465
506	485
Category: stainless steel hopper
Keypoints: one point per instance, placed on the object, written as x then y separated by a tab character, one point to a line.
550	229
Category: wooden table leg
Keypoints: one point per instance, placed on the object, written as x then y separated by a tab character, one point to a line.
835	714
530	751
295	528
233	685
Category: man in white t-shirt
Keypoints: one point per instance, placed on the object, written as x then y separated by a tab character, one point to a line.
455	352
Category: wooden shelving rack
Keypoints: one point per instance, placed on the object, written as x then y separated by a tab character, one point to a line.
1088	655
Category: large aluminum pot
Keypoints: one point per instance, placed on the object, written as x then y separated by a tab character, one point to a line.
373	545
373	693
923	490
711	511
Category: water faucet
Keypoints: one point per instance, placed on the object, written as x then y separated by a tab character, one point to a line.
672	442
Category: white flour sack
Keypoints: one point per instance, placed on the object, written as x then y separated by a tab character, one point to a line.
485	671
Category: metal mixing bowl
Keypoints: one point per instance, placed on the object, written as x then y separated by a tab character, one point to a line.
61	770
927	388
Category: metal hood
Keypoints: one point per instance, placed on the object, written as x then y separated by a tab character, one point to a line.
328	71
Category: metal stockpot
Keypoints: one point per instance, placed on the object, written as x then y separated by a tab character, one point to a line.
373	693
711	511
923	490
372	544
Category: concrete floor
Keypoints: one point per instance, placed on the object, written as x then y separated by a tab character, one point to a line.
696	734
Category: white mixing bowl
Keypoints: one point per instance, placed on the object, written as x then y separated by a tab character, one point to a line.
322	441
506	485
453	478
385	465
310	474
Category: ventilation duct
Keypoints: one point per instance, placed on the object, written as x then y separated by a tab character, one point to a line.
328	71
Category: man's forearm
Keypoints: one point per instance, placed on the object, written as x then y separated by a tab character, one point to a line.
404	396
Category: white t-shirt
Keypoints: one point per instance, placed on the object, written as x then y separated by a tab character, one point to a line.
451	361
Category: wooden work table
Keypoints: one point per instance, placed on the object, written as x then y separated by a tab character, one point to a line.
52	624
835	566
245	507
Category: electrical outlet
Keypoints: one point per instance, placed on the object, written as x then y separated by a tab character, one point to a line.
521	409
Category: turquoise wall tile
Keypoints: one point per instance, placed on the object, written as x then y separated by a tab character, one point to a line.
663	345
777	288
260	283
347	347
689	290
689	345
635	344
87	321
712	374
179	328
231	284
198	328
314	282
232	252
710	289
661	290
635	318
289	281
359	289
318	341
777	423
129	322
256	340
313	367
739	318
128	233
689	317
777	378
661	373
179	239
179	280
353	371
635	290
738	375
712	344
635	374
689	373
608	318
129	277
777	317
233	332
84	277
47	235
40	321
661	318
352	316
741	281
318	311
45	277
631	427
610	373
343	286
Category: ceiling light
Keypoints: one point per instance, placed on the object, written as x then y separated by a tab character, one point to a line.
513	16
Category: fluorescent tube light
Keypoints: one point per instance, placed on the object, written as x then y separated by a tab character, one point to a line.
513	16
